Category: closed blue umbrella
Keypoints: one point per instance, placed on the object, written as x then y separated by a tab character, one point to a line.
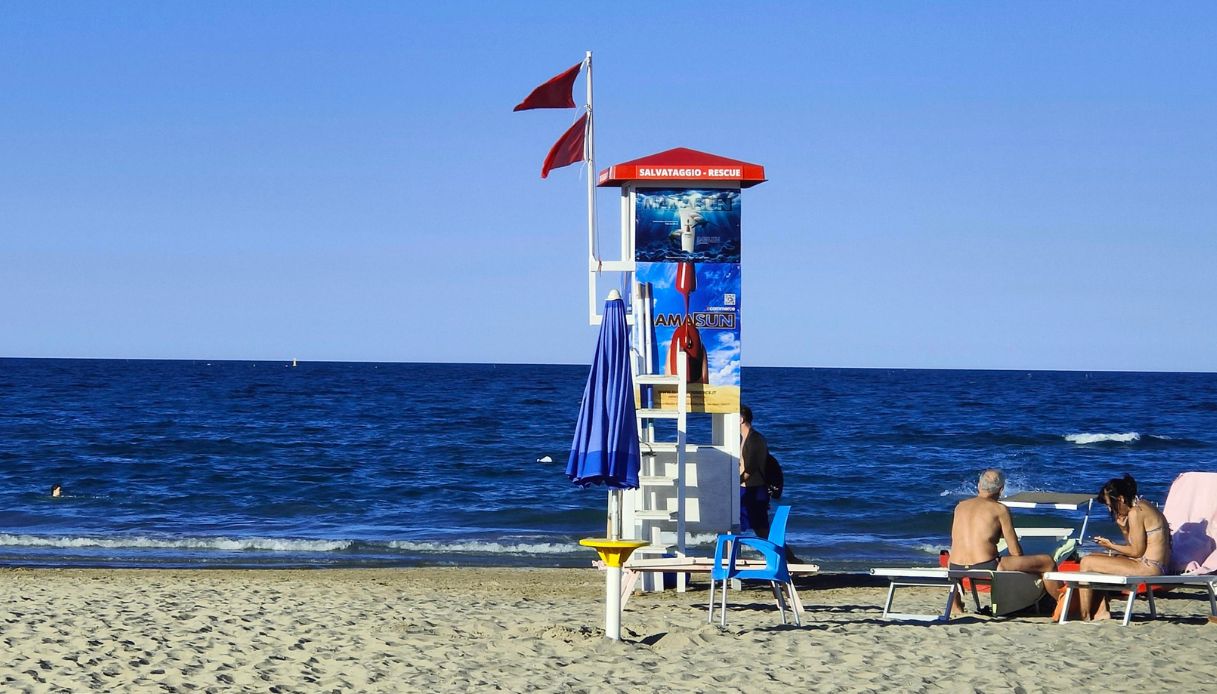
605	449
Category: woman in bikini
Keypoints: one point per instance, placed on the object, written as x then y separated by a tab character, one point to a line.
1148	551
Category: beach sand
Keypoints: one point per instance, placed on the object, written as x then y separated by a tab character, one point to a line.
456	629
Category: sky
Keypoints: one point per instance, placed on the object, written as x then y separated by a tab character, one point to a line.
1024	185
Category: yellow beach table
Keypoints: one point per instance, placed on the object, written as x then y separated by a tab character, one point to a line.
614	554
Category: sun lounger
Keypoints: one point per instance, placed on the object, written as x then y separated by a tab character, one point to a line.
1009	591
694	565
1108	582
704	564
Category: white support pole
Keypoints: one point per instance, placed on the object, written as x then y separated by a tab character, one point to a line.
727	434
644	326
627	222
589	151
612	603
682	371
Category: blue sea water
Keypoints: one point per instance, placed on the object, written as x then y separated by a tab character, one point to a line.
259	464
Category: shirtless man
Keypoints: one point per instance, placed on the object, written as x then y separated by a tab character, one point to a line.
979	523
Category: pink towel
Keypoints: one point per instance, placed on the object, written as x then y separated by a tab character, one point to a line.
1191	510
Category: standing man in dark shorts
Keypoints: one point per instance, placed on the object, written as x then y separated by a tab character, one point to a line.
754	492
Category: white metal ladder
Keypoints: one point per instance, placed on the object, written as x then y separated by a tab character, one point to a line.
651	513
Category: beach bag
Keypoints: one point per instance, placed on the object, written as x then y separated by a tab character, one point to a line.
1075	606
773	477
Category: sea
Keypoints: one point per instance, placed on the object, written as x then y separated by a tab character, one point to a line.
261	464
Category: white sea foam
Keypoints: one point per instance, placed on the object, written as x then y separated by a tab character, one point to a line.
269	544
867	539
698	539
1014	485
1085	438
272	544
485	547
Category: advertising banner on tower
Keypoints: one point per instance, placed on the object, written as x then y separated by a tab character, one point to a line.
700	225
687	253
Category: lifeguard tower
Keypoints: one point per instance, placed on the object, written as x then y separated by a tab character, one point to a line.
680	258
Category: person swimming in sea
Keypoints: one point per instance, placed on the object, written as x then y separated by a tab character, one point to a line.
1148	552
56	490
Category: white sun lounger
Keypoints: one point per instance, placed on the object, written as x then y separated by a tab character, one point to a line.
704	564
1009	591
697	565
1108	582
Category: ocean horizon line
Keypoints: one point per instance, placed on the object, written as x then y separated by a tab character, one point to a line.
297	360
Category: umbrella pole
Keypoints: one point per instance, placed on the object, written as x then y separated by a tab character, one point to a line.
613	527
612	603
608	520
612	579
618	500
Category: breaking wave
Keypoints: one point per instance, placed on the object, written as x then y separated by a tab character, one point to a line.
1085	438
225	544
271	544
1132	438
485	547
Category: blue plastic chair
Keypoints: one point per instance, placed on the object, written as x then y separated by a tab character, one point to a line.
776	570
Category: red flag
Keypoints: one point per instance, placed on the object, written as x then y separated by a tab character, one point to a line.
568	149
556	93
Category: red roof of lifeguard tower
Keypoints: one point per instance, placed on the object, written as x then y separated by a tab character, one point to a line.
684	164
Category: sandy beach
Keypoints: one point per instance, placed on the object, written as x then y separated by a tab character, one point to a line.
452	629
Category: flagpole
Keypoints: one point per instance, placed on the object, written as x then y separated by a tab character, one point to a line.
589	152
589	140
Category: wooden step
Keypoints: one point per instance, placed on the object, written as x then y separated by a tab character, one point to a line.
656	380
656	481
649	447
654	514
656	413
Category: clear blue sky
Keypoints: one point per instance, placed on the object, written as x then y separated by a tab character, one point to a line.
955	185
